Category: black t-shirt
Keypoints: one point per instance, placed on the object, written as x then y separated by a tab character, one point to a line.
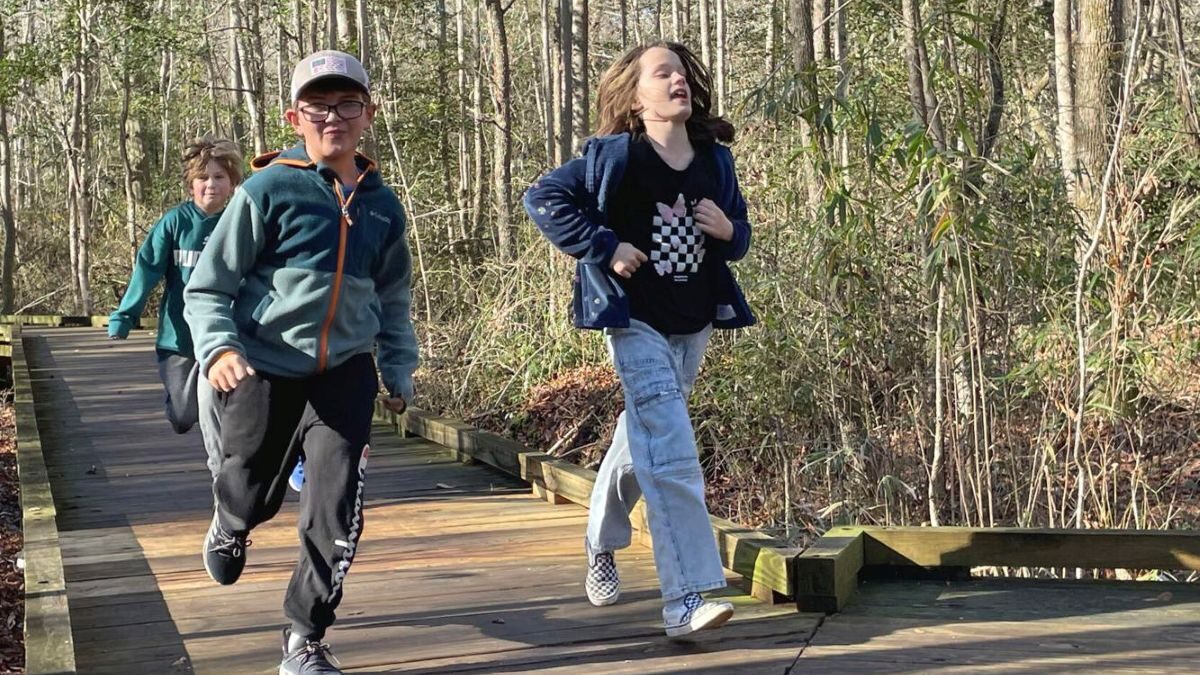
653	210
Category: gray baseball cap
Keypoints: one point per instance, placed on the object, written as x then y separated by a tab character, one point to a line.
328	64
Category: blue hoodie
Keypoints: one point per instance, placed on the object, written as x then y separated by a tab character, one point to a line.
570	207
299	278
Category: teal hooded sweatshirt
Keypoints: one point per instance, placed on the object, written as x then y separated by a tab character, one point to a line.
169	252
298	277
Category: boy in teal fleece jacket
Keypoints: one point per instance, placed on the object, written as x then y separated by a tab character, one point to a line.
212	167
307	272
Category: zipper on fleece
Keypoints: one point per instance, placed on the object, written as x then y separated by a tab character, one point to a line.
344	223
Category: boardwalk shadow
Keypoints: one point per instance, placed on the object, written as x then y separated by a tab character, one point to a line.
110	583
1019	626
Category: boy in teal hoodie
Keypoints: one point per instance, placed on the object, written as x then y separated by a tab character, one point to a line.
306	274
212	167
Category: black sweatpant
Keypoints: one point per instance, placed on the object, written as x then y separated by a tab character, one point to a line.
179	375
265	423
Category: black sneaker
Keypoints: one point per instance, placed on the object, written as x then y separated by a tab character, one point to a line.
310	659
224	553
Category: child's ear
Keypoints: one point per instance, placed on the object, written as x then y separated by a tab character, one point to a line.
293	118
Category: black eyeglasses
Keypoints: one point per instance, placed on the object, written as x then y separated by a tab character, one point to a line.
319	112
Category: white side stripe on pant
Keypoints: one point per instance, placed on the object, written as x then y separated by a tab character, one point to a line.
343	567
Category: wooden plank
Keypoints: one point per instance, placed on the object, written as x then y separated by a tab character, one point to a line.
1018	547
49	647
68	321
826	574
763	562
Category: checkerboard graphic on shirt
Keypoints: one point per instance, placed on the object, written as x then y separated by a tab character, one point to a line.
678	243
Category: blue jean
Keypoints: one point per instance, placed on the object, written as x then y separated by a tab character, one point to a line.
653	454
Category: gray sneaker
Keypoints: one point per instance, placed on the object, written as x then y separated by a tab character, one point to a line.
310	659
694	613
602	583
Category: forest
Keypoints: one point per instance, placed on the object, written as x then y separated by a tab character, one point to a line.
975	255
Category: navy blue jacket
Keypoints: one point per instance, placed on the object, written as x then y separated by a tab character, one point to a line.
570	206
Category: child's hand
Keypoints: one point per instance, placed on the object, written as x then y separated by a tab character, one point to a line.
712	220
627	259
395	404
229	370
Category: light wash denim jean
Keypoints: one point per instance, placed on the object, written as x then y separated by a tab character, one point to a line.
653	454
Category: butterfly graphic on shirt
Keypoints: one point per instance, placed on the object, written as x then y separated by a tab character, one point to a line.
678	243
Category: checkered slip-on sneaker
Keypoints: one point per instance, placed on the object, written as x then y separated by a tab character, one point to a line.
602	583
695	613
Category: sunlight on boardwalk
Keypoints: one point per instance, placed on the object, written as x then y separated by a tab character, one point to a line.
459	569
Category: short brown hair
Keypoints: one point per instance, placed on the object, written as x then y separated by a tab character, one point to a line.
617	96
208	148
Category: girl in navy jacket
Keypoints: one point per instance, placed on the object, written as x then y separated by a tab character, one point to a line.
653	215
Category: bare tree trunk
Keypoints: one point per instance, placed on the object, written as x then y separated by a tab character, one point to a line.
464	125
772	35
237	84
126	167
77	174
721	61
165	80
9	260
345	25
249	80
624	11
821	38
1094	77
283	64
566	86
363	24
548	83
920	89
675	20
579	52
1064	82
443	84
1184	89
480	187
331	25
705	35
314	27
805	65
841	52
502	152
297	28
210	62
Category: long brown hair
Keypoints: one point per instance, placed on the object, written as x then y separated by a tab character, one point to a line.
617	96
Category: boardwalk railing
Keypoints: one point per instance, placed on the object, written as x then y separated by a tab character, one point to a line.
828	572
762	561
49	648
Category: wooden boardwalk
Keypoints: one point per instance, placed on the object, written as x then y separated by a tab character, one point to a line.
460	568
1012	626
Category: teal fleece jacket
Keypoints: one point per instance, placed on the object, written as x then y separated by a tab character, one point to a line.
299	278
169	252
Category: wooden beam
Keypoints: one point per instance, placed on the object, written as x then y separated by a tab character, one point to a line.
49	647
764	562
826	574
61	321
1020	547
